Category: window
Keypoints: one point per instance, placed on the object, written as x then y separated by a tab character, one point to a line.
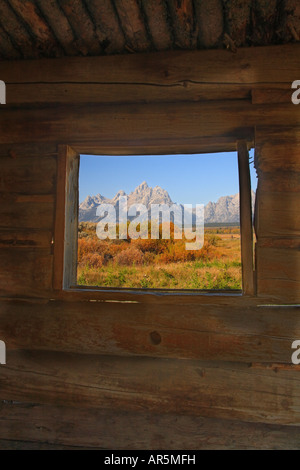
140	261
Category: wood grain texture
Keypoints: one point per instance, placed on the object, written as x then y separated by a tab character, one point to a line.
205	332
229	391
27	175
133	26
87	40
36	426
133	125
278	145
210	22
25	272
59	25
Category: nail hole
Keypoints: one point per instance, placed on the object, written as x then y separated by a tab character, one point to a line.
155	337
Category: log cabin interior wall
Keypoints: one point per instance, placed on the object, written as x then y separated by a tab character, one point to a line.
85	372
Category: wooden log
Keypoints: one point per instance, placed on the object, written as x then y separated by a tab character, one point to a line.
72	93
227	391
265	13
278	273
30	215
28	175
173	124
7	50
185	26
279	214
277	145
23	238
38	426
59	25
157	21
133	26
66	219
238	19
281	181
246	226
87	41
272	95
210	22
248	66
21	37
25	272
204	332
45	41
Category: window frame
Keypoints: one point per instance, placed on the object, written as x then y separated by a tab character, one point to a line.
66	237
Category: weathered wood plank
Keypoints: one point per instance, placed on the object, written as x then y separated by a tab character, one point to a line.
27	175
23	238
25	272
277	145
228	390
276	263
210	332
170	123
7	50
184	23
238	20
72	93
44	40
278	273
45	426
59	25
108	26
279	214
35	215
247	66
246	227
30	150
157	21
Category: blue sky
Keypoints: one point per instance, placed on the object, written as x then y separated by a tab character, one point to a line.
189	179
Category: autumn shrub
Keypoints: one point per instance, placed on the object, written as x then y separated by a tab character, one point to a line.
130	256
94	260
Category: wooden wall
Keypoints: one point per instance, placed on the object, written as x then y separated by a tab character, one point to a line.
85	372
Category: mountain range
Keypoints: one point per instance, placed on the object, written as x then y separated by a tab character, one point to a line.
224	210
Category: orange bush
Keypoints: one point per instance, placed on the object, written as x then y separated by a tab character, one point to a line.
129	257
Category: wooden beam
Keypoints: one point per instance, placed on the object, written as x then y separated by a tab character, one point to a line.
246	225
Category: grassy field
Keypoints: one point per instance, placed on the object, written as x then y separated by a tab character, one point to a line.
160	263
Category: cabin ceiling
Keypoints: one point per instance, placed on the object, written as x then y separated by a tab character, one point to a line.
31	29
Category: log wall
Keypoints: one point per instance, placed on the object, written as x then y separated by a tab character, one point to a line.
85	372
